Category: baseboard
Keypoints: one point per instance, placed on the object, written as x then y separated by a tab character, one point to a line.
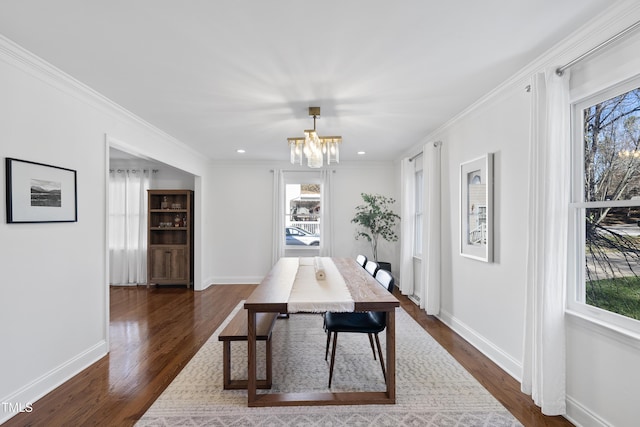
499	357
204	284
234	280
25	399
414	299
576	413
580	416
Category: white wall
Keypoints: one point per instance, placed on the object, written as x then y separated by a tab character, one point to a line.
54	303
172	179
240	211
163	177
485	302
348	183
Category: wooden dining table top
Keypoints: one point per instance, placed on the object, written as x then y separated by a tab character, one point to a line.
272	295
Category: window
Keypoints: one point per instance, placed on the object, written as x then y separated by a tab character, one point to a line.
302	215
605	206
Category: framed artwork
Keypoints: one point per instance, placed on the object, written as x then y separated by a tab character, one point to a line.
40	193
476	208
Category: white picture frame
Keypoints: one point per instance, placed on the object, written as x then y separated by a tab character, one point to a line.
476	208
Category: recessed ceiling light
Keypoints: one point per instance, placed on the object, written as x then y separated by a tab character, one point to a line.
240	151
361	153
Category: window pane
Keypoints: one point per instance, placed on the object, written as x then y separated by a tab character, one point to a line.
612	260
417	251
612	148
302	217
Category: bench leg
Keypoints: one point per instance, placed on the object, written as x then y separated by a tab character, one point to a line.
229	384
226	365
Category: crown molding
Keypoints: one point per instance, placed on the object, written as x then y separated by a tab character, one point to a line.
611	21
19	57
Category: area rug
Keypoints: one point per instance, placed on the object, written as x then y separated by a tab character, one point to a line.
433	389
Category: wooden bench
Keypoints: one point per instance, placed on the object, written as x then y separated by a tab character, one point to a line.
236	330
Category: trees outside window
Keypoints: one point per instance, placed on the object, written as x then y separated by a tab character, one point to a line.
606	202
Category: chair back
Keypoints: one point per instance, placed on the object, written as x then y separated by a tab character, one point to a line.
385	279
371	267
362	260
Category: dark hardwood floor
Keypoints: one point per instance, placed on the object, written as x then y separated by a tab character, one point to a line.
154	334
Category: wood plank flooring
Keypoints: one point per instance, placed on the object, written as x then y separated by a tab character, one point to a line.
155	332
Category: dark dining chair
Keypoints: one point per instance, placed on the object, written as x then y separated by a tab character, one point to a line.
368	322
372	267
362	260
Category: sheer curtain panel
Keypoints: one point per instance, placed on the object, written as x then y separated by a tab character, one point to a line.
128	226
407	231
277	251
431	224
326	229
543	375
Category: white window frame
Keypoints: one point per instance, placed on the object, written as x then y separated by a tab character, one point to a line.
576	278
293	178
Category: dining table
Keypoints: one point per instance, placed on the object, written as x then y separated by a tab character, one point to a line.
317	285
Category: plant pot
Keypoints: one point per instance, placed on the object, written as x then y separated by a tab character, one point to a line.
385	266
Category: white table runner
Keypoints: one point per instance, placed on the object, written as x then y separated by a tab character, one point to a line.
308	294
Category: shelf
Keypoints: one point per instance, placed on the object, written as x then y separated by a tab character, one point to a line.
170	248
168	228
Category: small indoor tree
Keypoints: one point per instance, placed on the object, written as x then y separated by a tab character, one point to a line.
376	219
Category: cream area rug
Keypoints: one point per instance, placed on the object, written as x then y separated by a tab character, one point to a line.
432	388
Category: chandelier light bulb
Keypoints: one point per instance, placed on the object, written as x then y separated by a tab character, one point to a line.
315	147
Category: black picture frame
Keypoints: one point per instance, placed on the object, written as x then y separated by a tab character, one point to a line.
37	192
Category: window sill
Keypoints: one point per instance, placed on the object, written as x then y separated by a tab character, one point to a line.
606	329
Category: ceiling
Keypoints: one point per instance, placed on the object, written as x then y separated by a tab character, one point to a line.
229	74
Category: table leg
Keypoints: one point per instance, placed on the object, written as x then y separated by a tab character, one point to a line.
251	355
391	355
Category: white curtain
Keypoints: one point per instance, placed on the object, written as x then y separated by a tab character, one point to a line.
407	228
543	375
326	206
128	226
278	216
430	300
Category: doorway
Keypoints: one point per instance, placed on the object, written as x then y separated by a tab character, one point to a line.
127	211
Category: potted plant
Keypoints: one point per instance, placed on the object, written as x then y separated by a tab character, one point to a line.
376	219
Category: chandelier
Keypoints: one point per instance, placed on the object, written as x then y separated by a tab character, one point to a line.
315	147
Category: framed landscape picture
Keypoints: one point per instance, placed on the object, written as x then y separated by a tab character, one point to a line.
476	208
40	193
